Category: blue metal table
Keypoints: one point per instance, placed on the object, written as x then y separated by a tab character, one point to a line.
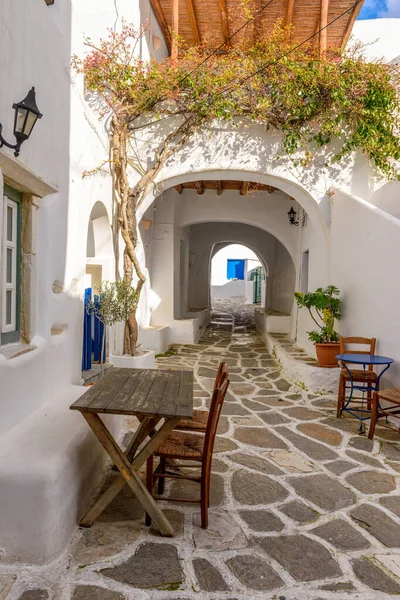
364	386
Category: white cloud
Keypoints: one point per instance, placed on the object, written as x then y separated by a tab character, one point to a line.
392	9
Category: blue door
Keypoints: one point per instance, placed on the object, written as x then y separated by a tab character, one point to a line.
235	268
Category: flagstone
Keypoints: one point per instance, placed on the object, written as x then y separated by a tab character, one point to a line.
255	405
261	520
321	433
36	594
273	418
391	451
372	482
224	444
373	577
223	533
314	450
255	462
392	503
102	540
258	436
91	592
342	535
302	413
298	511
304	558
324	491
251	421
152	566
253	489
292	461
189	490
361	443
378	524
209	578
340	466
365	459
384	433
254	573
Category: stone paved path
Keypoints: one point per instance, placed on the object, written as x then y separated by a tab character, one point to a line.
301	506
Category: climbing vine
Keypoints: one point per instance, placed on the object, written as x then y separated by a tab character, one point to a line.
311	100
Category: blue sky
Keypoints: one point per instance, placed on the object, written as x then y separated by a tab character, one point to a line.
373	9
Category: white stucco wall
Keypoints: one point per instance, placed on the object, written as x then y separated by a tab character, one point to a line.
36	44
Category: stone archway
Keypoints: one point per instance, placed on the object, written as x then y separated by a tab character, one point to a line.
99	249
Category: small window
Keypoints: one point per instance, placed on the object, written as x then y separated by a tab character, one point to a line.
11	266
304	272
235	269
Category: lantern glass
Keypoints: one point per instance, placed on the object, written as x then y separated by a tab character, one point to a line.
30	122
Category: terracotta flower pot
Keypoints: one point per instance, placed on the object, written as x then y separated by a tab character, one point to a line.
326	354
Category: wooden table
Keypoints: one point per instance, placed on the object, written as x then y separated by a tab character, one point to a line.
152	396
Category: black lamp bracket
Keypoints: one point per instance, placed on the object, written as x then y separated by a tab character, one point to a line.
3	142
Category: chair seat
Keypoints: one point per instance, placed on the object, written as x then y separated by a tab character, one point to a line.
182	445
198	423
391	395
359	375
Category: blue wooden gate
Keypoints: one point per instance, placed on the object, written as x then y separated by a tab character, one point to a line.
93	332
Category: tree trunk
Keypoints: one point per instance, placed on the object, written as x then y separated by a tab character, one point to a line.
131	335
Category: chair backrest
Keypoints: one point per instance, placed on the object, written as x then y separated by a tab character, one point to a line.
222	374
217	400
369	344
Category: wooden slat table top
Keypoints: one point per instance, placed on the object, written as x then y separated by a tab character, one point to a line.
148	392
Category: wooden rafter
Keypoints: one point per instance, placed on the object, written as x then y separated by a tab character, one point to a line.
289	13
219	188
179	188
199	187
323	36
244	190
353	16
175	29
224	19
257	21
159	14
193	21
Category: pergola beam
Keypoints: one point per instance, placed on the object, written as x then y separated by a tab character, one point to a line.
224	19
159	14
353	16
199	187
289	14
175	29
244	190
193	21
179	188
323	35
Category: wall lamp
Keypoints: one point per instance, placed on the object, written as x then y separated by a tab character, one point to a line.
292	217
26	115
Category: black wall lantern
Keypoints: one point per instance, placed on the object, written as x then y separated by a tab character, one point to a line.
292	216
26	115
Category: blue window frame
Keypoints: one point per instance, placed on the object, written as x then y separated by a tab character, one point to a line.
235	268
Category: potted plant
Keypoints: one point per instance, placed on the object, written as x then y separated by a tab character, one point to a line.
114	303
325	308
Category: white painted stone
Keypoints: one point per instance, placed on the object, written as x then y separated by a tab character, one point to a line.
291	461
222	533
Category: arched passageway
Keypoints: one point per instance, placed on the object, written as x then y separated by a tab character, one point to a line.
99	251
181	232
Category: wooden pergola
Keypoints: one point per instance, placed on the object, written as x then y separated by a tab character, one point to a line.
243	187
214	21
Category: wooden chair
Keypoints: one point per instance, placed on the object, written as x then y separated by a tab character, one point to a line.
184	446
199	420
391	395
359	375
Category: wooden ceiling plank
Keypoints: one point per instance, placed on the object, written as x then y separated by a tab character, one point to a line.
159	14
175	29
353	16
323	36
224	20
244	189
179	188
199	187
193	21
219	188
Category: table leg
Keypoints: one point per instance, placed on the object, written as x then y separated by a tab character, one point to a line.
128	471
